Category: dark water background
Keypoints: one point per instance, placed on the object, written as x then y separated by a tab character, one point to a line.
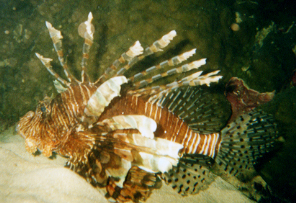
265	63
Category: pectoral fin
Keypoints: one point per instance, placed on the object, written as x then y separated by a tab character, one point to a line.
104	95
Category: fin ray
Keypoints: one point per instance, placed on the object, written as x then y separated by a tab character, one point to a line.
191	175
245	140
86	31
56	37
203	112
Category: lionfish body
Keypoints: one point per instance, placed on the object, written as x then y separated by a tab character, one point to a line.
124	133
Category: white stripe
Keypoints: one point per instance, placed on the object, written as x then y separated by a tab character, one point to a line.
193	142
146	106
83	96
208	145
136	99
60	118
67	111
155	112
72	95
159	117
151	108
188	139
214	148
213	145
203	146
197	142
185	136
219	144
178	131
174	135
88	92
66	105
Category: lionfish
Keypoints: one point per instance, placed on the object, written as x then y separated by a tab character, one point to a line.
126	134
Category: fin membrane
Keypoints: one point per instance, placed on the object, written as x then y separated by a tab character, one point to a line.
104	95
137	186
191	175
204	112
245	140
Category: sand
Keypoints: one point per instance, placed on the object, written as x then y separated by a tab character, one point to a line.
27	178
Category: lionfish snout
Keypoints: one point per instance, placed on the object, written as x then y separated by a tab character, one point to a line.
24	122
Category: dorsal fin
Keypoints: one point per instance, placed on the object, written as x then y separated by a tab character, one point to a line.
126	60
86	30
46	63
139	78
59	87
57	37
203	112
158	92
135	54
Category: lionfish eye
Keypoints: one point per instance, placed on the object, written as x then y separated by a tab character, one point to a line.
43	109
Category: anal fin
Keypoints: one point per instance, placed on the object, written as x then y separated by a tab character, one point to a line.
191	175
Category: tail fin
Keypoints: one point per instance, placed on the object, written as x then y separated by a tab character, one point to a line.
245	140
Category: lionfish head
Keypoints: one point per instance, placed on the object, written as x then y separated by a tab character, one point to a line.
31	124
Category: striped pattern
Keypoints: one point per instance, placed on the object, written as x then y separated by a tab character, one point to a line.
169	126
125	62
73	102
56	37
178	131
171	62
86	118
86	31
61	116
105	127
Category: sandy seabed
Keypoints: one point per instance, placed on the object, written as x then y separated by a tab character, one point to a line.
26	178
